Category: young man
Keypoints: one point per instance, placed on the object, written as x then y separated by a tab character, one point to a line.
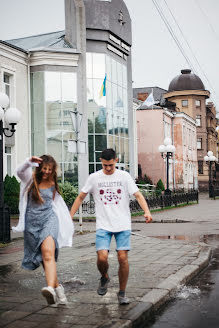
111	189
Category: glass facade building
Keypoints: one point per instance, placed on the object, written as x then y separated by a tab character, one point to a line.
107	115
53	96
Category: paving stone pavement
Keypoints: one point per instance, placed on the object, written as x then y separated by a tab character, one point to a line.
157	268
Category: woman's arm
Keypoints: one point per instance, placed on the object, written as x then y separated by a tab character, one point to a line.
77	203
24	171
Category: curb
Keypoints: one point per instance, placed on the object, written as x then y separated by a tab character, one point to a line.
152	301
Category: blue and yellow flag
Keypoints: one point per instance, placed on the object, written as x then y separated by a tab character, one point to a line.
103	88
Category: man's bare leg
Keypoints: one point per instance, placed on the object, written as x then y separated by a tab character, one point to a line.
103	266
123	276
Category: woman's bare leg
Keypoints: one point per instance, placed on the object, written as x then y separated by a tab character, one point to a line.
48	255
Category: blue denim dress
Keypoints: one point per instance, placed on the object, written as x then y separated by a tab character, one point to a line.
40	222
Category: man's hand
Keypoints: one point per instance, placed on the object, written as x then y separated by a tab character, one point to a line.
148	217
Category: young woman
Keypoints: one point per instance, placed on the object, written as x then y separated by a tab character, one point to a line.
45	220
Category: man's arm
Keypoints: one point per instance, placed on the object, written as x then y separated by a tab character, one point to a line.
77	203
142	202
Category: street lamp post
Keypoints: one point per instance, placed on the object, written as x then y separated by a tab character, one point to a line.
12	117
210	158
167	150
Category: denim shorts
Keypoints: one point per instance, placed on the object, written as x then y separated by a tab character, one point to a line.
103	240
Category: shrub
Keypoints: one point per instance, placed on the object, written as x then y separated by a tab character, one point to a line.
11	193
160	185
144	180
68	192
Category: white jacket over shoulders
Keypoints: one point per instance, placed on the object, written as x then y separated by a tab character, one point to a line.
66	227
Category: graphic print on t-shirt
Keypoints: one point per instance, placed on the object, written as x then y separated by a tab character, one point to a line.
112	193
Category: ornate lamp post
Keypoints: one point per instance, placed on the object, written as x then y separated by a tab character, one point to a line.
12	117
210	158
167	150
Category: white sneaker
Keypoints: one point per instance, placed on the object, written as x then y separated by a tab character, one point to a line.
60	294
49	294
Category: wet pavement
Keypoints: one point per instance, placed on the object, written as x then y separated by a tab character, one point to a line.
158	267
195	305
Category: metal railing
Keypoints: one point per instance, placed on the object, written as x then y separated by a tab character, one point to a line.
153	202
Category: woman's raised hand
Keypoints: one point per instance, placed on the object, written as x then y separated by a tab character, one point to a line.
35	159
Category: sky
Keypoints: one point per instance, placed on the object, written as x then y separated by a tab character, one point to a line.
156	57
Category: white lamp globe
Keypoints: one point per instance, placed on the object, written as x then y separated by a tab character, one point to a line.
170	148
1	113
212	158
4	100
162	149
217	128
210	153
167	141
206	158
12	115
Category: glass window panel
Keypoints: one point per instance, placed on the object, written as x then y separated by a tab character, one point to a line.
9	165
52	86
54	145
99	67
91	117
116	123
90	96
109	95
117	146
98	167
69	87
91	168
127	168
37	87
99	100
115	95
8	150
110	142
54	115
184	103
7	90
124	80
6	78
109	68
126	125
120	103
122	150
89	65
110	128
66	117
125	101
119	73
114	71
100	120
97	156
126	150
71	173
100	142
91	148
68	156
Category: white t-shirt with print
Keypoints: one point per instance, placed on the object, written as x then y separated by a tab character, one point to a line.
111	195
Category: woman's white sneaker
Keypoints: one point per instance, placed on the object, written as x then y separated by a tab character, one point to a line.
60	294
49	294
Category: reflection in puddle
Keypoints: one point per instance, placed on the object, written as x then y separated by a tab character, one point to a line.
192	238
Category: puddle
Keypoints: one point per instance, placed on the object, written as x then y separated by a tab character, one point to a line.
207	239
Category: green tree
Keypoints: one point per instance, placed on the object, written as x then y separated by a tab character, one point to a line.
11	193
69	192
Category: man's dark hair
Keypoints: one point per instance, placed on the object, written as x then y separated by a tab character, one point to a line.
108	154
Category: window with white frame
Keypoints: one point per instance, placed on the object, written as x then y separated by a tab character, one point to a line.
184	103
6	80
198	103
199	143
8	161
198	120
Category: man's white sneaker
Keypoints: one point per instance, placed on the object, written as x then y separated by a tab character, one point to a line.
123	300
49	294
60	294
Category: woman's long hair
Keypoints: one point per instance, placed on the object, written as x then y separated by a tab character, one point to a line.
37	178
